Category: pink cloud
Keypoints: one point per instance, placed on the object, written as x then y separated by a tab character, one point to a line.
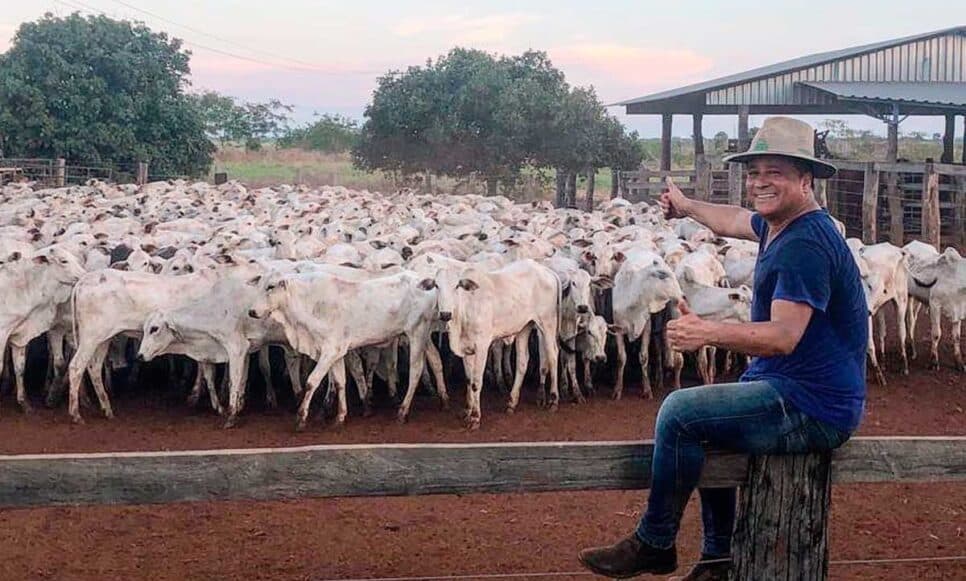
488	29
616	68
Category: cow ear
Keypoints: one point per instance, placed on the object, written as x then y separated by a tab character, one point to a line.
189	268
121	265
467	284
156	267
282	283
427	284
619	257
377	244
14	257
734	296
588	256
41	259
582	243
406	252
614	329
566	288
255	281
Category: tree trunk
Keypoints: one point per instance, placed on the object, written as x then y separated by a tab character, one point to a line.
572	190
615	183
561	183
782	527
491	186
591	178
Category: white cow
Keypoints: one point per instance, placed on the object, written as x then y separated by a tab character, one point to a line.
324	317
946	281
480	307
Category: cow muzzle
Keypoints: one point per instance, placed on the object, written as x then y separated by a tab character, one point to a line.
445	316
253	314
583	309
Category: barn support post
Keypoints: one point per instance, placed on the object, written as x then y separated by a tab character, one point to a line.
964	140
735	180
930	207
615	183
870	203
142	175
60	172
949	136
959	211
702	169
781	533
666	121
893	196
743	140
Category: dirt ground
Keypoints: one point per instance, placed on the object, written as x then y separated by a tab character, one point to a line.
475	535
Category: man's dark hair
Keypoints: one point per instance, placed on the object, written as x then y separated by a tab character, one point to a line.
803	168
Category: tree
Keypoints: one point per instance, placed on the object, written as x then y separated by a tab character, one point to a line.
97	91
249	123
329	133
720	142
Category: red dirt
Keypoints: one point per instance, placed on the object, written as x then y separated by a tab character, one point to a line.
438	535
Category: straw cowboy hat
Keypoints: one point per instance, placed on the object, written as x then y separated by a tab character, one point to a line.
786	137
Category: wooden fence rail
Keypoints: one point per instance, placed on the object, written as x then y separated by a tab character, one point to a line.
783	507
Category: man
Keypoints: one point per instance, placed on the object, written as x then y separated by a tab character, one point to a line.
805	388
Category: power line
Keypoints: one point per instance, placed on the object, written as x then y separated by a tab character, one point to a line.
78	5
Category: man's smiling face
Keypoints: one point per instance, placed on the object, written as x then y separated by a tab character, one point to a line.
777	187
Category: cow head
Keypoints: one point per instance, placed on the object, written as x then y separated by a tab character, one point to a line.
158	335
61	264
273	290
592	342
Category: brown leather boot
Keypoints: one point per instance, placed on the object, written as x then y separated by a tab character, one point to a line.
629	557
708	569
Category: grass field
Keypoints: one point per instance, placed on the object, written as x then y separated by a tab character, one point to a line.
295	166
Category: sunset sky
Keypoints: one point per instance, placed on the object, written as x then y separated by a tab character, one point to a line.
324	56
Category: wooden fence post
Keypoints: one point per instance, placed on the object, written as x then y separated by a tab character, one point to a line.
702	178
615	183
782	529
821	192
60	173
870	203
930	207
142	177
734	184
959	210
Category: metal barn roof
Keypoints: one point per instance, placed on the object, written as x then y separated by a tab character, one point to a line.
888	68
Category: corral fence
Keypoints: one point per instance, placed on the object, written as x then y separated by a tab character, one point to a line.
58	173
781	531
877	201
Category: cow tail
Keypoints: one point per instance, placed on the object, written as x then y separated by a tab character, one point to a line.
73	312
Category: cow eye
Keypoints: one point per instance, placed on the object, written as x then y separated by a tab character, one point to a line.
270	287
153	329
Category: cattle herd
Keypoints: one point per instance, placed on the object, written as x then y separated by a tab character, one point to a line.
342	282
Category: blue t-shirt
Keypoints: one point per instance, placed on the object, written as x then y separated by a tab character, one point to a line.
809	262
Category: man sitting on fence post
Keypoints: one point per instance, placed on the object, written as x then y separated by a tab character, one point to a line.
805	388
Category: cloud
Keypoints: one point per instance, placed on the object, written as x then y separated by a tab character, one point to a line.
619	67
492	28
6	35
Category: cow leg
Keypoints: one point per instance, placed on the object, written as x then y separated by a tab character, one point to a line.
196	387
474	365
588	377
495	365
621	362
912	316
354	362
58	367
392	369
208	371
265	367
570	366
435	363
75	378
95	370
521	345
712	363
18	356
644	359
902	306
702	363
957	335
320	370
880	332
677	363
337	383
417	361
293	368
237	376
936	332
873	360
549	359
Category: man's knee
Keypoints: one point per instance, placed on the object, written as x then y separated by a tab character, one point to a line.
673	411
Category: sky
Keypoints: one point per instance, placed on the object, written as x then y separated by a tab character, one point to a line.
325	56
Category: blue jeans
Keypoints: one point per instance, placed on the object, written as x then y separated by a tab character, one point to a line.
750	418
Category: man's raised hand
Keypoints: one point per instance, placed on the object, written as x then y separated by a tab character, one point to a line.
673	201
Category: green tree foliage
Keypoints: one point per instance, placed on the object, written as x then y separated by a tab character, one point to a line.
227	121
328	133
96	91
473	113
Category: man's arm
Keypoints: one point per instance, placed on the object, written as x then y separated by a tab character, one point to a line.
779	336
722	219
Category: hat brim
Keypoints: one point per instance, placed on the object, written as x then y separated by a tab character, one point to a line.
820	169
